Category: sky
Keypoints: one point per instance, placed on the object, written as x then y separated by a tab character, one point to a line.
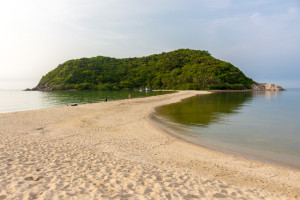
260	37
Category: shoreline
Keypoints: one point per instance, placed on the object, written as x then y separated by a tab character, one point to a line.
215	147
37	102
111	150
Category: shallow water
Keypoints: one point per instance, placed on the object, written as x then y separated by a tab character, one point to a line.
257	125
14	100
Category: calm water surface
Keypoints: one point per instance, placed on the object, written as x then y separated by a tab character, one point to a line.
11	101
256	125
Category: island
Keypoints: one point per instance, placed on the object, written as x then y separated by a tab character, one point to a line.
182	69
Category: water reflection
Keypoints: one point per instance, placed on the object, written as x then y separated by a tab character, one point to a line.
202	110
268	94
83	97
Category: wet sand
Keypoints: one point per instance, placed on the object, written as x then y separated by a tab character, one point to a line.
112	151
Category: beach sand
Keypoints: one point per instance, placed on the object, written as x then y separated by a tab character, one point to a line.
112	151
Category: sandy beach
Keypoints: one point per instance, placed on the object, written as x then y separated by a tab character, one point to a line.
113	151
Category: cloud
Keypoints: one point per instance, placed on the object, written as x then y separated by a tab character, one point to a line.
293	11
256	35
256	18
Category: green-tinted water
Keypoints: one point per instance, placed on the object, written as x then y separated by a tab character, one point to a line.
11	101
262	126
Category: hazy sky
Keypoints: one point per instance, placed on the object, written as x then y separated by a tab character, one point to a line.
261	37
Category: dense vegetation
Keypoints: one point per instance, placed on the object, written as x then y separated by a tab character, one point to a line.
181	69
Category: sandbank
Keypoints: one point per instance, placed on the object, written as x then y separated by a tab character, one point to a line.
112	151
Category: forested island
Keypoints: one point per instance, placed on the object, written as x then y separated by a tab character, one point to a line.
182	69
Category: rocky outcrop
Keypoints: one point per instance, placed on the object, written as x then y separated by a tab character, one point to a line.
42	87
266	87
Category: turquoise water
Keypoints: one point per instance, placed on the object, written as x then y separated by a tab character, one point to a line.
257	125
13	100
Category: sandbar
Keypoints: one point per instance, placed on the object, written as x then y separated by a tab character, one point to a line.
111	150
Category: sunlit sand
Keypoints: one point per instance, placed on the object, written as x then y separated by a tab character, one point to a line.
112	151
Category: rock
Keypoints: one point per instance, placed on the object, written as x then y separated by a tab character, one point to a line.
266	87
40	87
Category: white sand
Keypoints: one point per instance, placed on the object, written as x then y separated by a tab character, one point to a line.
112	151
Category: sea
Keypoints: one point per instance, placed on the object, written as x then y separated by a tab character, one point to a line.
261	126
17	100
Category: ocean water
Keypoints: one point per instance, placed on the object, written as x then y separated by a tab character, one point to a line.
14	100
263	126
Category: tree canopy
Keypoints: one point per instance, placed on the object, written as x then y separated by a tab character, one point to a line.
181	69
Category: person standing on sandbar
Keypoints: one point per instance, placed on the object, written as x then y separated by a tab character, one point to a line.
105	100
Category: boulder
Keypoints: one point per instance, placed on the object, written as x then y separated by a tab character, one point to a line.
266	87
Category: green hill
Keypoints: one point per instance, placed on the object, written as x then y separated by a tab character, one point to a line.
180	69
